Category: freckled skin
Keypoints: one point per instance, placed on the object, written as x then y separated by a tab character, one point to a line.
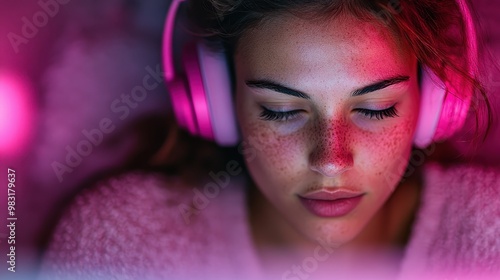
329	144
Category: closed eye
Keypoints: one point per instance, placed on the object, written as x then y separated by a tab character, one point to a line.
379	114
283	116
279	116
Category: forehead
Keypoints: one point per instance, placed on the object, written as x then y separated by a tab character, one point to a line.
343	47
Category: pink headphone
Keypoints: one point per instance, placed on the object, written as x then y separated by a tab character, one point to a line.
202	100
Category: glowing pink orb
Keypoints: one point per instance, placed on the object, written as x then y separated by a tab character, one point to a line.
16	112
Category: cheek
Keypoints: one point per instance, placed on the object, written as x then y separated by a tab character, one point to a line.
391	150
386	158
269	155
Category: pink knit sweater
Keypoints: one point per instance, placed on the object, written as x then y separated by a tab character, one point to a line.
134	227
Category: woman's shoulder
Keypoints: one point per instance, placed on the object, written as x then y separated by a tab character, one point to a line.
468	189
144	222
136	197
457	227
131	195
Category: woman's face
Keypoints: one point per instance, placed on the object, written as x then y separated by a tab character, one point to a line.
327	113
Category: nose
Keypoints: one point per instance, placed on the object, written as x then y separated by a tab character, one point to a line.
331	154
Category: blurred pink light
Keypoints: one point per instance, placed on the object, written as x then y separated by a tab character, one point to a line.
16	112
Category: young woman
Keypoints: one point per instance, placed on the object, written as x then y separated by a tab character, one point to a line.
328	97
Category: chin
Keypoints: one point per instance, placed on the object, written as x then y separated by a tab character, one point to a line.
332	234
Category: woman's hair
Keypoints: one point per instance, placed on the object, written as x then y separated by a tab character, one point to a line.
434	30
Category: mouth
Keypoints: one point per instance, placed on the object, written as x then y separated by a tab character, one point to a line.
329	203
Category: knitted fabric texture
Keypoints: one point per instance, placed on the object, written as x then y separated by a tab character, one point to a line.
133	227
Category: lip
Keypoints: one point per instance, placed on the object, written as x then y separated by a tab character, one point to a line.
336	202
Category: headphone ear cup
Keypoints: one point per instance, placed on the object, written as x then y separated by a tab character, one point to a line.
217	85
197	93
453	113
444	107
182	106
442	113
432	93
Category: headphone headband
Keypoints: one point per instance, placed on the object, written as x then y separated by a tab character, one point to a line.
202	99
455	108
201	92
168	37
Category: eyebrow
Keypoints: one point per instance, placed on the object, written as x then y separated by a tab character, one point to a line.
380	85
266	84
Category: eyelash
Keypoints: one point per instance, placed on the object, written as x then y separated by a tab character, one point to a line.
283	116
390	112
280	116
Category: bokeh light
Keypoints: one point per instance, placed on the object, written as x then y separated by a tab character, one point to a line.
16	114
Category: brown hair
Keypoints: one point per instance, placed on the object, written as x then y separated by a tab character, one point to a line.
435	30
